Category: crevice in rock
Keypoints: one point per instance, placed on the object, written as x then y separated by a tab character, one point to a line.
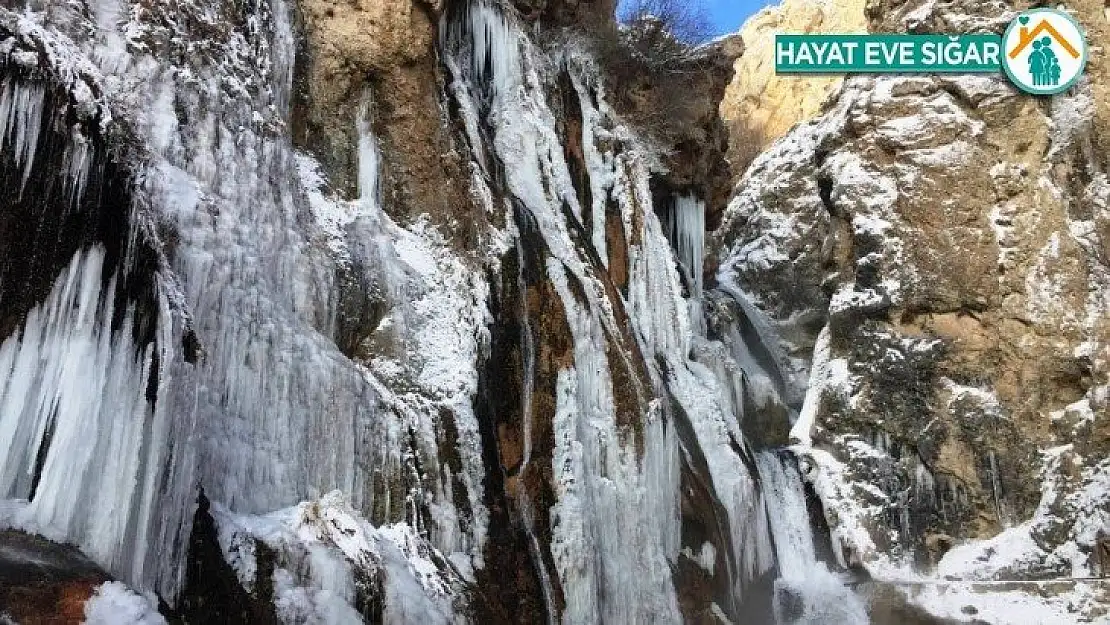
212	592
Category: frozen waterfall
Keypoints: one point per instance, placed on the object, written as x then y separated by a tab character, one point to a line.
372	460
687	231
83	445
807	592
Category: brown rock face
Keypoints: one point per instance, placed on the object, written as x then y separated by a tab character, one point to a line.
383	54
42	583
379	60
759	106
699	157
955	232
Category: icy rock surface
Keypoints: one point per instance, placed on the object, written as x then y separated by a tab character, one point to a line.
260	406
256	384
938	271
332	566
616	527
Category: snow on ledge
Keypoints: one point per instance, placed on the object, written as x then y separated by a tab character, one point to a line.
327	557
116	604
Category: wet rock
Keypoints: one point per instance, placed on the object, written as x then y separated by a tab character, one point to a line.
44	583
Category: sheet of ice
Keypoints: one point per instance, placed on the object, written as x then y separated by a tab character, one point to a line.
785	500
687	232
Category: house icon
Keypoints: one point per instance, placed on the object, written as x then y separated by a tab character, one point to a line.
1026	37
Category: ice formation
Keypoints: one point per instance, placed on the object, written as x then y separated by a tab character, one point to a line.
806	592
335	567
687	225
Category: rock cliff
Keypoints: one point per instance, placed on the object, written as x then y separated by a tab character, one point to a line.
760	106
939	246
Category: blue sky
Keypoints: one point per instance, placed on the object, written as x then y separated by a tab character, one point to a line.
728	15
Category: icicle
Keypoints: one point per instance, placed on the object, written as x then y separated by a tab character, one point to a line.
535	551
924	486
688	236
528	354
369	156
77	161
616	529
78	437
495	56
22	105
996	487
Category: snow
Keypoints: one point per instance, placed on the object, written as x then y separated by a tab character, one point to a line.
706	556
115	604
1003	604
845	508
1017	548
445	320
1070	119
326	553
827	375
1045	287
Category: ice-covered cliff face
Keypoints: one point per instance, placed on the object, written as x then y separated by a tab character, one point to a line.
380	313
943	242
264	381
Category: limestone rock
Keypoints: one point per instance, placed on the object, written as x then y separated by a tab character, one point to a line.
952	231
759	106
382	53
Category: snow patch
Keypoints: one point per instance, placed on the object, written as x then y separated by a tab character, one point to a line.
116	604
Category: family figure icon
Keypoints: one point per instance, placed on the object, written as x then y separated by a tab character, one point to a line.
1043	64
1046	51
